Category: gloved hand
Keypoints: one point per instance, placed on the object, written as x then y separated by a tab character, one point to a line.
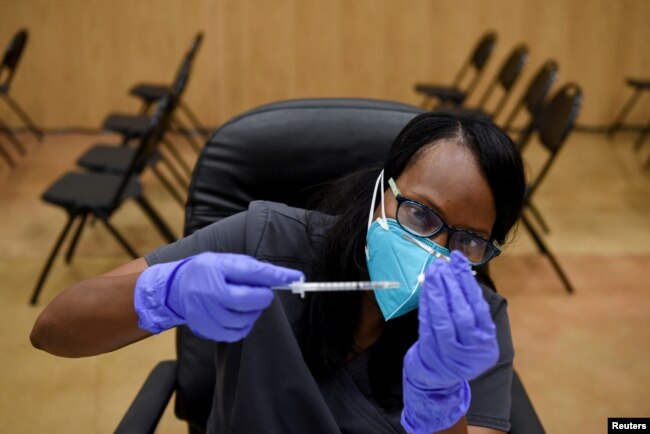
457	342
218	295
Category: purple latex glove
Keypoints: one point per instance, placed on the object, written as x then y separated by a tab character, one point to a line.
457	342
218	295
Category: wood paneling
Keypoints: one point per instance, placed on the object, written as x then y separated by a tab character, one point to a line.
83	55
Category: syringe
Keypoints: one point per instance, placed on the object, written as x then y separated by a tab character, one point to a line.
303	287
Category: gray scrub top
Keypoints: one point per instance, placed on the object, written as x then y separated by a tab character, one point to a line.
263	384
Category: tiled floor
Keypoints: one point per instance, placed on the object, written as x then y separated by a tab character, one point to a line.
583	357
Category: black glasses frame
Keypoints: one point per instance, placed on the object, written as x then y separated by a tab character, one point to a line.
492	249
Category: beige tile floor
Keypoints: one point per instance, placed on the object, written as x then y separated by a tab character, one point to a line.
582	357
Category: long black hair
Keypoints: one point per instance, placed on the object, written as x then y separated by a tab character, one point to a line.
327	326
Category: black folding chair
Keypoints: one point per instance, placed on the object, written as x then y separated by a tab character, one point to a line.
100	195
532	101
133	126
639	86
116	159
474	65
556	121
12	56
504	81
151	93
314	141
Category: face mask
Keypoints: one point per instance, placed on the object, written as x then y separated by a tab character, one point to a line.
394	254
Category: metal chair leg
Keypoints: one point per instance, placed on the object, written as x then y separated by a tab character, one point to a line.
24	117
144	110
75	239
546	252
193	119
618	123
7	157
177	156
538	216
187	134
426	102
12	138
639	141
119	237
182	182
155	218
50	260
168	186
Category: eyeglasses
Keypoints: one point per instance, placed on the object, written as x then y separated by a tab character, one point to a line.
422	221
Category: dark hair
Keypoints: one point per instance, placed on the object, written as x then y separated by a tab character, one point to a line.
326	329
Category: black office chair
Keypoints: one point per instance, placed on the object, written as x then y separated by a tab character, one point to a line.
151	93
453	94
532	101
133	126
116	159
10	60
504	81
320	140
556	121
100	195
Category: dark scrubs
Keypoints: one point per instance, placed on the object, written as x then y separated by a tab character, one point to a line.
263	384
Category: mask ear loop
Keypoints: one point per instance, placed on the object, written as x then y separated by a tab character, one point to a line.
384	221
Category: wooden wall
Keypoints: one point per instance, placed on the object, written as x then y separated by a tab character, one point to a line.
83	55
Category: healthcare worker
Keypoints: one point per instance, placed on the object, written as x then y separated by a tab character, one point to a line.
434	355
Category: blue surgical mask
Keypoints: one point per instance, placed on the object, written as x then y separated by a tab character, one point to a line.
394	254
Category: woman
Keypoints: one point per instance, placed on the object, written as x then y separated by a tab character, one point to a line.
337	362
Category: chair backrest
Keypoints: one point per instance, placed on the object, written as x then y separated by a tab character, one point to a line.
194	47
281	152
149	141
556	121
12	56
508	75
477	61
533	100
186	64
317	139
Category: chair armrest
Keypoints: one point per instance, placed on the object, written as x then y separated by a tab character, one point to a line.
148	406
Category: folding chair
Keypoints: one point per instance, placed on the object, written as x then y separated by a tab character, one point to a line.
133	126
532	101
639	86
8	67
453	94
314	141
116	159
151	93
100	195
505	80
556	121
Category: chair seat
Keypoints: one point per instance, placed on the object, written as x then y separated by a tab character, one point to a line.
150	92
92	191
127	125
638	83
110	158
443	93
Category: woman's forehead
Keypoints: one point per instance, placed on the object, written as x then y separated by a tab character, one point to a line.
448	176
